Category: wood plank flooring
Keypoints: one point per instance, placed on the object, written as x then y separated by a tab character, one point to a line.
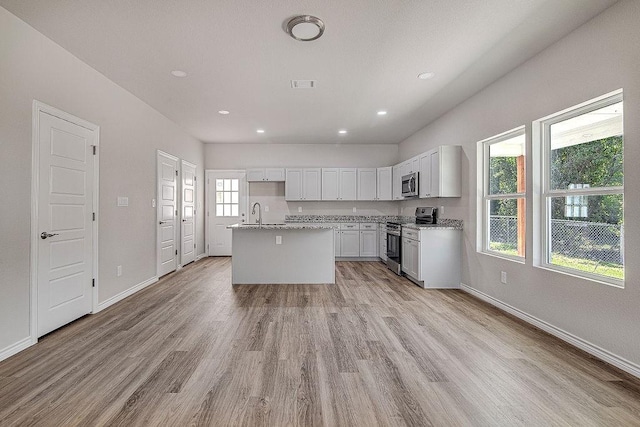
372	350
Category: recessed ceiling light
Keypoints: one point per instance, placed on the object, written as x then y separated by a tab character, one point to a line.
426	76
260	131
179	73
223	112
342	132
382	113
305	28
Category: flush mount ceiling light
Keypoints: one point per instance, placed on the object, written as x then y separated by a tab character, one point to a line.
260	130
305	28
223	112
426	76
382	113
342	132
179	73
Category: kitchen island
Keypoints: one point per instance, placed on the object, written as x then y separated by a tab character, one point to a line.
282	254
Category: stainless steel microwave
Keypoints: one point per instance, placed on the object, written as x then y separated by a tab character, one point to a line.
410	185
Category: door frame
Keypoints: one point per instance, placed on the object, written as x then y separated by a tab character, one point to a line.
209	202
37	108
176	232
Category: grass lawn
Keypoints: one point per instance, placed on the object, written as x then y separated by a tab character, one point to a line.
602	268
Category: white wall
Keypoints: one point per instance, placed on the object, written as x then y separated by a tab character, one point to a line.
33	67
597	58
244	156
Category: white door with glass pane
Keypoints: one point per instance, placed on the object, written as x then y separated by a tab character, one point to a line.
226	205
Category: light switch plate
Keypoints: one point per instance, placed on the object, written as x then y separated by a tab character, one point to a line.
278	240
354	209
299	208
119	271
153	203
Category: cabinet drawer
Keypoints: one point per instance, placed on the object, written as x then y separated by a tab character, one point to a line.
368	226
350	226
410	234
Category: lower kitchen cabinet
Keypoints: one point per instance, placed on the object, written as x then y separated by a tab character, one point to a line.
350	243
411	257
382	242
432	257
368	243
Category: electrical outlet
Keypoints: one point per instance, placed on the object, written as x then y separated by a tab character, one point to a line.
266	208
503	277
354	209
119	271
441	210
278	240
299	208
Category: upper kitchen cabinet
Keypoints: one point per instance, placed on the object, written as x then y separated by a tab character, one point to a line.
440	171
303	184
367	186
339	183
265	174
396	174
384	187
410	166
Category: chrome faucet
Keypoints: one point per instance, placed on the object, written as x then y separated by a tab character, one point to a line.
253	211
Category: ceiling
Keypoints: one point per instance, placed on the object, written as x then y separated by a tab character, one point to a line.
239	58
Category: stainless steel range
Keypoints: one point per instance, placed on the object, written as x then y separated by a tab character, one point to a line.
394	245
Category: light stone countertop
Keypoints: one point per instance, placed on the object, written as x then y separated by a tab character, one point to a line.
289	226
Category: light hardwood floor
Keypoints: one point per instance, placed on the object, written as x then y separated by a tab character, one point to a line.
372	350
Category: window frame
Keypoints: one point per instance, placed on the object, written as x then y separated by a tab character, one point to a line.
485	198
545	195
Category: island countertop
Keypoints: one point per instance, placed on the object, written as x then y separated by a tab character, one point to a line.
287	226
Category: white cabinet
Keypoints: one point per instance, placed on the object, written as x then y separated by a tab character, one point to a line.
411	253
432	257
440	172
368	240
367	187
397	182
303	184
293	184
384	183
339	183
382	242
410	166
266	174
350	240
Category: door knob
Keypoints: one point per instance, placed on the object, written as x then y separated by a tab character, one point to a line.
44	235
163	222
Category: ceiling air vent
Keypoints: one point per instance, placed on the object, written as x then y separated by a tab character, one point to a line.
303	84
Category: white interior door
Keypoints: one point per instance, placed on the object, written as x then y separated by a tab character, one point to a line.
226	205
188	204
167	252
65	222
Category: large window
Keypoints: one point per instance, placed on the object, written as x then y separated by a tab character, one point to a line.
582	190
504	193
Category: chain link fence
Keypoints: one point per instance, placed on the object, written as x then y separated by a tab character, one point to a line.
594	241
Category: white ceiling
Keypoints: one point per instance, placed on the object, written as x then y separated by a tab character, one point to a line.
239	58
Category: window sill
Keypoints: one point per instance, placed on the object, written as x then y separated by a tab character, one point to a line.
519	260
615	283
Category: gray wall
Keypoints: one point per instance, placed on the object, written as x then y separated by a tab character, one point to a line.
597	58
33	67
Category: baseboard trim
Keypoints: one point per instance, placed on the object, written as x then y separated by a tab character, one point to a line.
122	295
15	348
574	340
202	255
